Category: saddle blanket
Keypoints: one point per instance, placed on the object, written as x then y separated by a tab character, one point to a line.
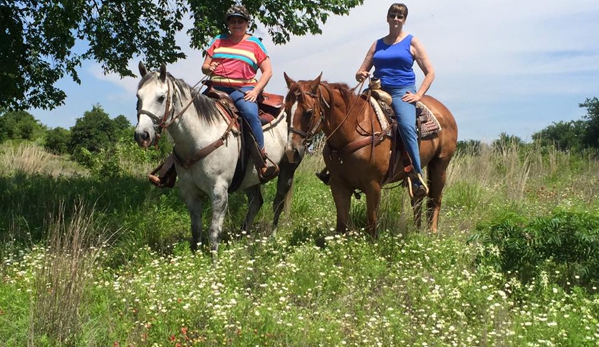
428	123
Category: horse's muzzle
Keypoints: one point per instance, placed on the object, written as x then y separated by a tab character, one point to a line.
143	139
294	155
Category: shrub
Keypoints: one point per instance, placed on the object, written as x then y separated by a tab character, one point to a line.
57	141
564	245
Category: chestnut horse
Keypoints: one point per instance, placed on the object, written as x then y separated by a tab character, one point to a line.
358	151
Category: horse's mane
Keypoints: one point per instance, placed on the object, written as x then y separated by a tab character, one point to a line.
204	106
347	94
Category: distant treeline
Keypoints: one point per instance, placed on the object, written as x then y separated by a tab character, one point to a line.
95	132
576	136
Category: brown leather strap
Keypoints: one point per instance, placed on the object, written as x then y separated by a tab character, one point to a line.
204	152
351	147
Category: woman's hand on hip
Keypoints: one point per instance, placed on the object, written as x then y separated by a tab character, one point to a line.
411	97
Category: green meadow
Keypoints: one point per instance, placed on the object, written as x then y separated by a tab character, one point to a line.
99	257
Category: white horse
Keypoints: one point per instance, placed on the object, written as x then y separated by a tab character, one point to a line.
200	129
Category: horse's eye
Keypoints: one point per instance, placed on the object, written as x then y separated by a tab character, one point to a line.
161	99
308	113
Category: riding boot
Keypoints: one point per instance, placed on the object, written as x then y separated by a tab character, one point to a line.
416	186
324	175
167	175
267	172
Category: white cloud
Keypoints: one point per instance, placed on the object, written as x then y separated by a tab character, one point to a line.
528	54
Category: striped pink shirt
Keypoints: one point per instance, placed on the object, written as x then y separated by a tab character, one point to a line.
238	62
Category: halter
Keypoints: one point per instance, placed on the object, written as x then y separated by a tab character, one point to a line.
314	124
164	122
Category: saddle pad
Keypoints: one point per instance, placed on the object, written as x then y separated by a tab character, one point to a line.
380	115
429	124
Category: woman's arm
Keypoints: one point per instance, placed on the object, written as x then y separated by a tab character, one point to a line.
265	75
209	66
426	66
364	69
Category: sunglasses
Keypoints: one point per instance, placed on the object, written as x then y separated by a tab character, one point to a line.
395	16
236	20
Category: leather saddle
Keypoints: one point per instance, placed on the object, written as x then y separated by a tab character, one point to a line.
269	105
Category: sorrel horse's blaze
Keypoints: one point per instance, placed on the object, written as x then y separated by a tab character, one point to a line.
346	119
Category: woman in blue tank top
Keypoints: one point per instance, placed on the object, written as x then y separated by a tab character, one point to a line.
393	57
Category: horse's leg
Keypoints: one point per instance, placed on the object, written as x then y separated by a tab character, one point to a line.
342	198
437	170
373	199
194	206
417	208
220	202
255	201
284	190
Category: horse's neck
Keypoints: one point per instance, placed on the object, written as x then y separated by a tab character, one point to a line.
191	132
343	118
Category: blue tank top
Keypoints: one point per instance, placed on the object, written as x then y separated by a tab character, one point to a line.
393	63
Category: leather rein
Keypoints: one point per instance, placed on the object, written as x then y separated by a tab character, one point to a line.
370	138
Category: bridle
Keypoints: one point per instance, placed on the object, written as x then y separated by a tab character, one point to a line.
314	128
160	122
169	111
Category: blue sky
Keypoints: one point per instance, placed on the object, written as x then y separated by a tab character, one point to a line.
513	66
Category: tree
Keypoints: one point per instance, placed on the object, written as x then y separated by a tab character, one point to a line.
93	132
562	135
506	142
19	125
472	147
37	40
122	126
591	136
57	140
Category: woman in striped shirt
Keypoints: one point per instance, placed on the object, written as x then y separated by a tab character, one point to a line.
232	61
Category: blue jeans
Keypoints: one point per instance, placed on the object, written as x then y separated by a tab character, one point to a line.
405	113
249	111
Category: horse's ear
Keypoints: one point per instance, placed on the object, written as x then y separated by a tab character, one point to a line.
163	73
142	69
288	80
314	85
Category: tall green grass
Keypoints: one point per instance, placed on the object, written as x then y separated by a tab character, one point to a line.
96	259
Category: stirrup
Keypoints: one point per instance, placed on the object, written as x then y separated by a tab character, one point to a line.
155	180
267	173
165	175
324	175
421	191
